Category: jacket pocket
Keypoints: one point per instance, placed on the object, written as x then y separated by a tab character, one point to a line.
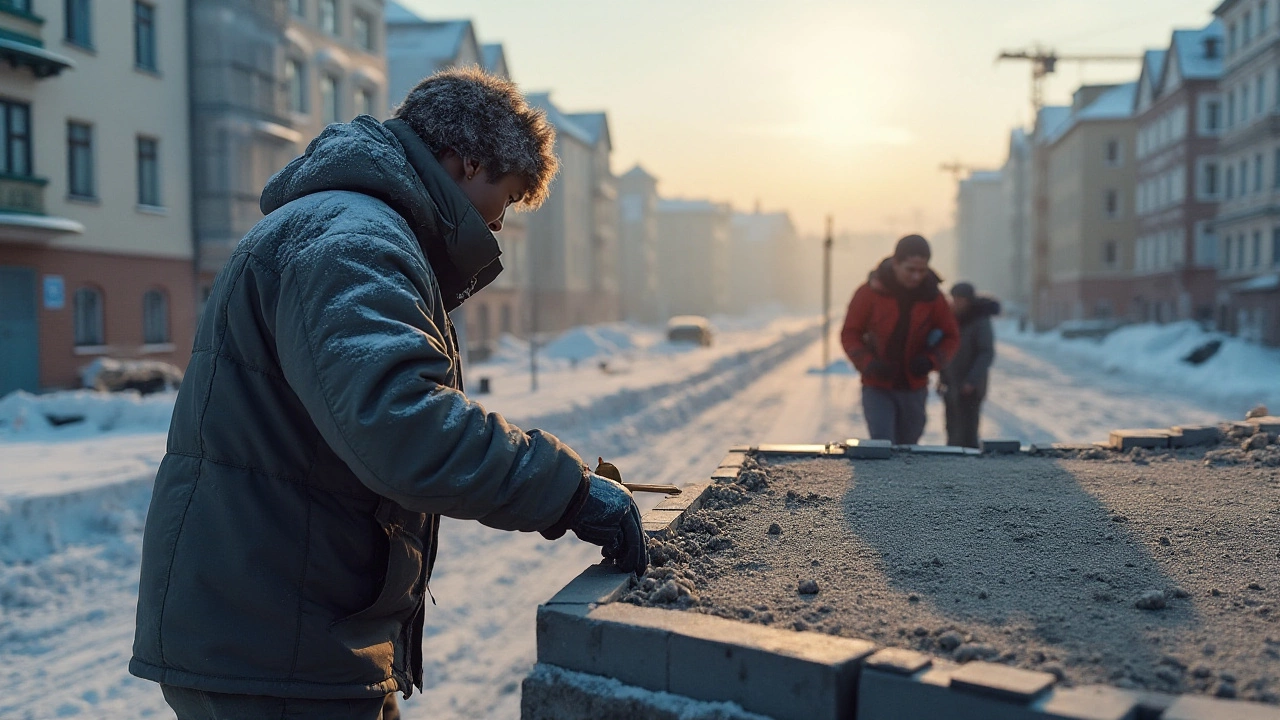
400	594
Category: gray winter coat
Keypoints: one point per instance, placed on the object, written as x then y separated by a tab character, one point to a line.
972	362
320	432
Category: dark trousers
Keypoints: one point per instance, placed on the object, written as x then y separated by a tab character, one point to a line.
897	415
964	413
191	704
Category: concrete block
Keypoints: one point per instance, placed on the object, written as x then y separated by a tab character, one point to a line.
733	459
935	450
898	660
597	584
868	449
884	695
689	500
1001	447
1181	436
1124	440
783	674
792	449
1199	707
553	693
1267	424
661	522
1001	681
725	474
570	637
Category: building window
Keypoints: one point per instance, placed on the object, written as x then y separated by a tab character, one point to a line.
295	85
1112	203
507	329
1257	249
298	8
1275	247
1244	177
1231	109
155	317
329	99
1262	16
362	29
1261	94
15	153
1231	182
1244	103
1233	39
1248	27
329	16
1109	253
78	28
1240	251
148	172
80	160
88	317
364	102
1113	152
19	5
1257	172
144	35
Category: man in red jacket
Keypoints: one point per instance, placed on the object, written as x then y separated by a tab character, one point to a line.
899	328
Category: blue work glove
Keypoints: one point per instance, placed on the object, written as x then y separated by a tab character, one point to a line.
609	518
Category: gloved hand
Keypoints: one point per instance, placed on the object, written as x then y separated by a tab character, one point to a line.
920	365
878	369
609	518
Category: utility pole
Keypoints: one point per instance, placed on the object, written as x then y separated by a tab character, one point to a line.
826	297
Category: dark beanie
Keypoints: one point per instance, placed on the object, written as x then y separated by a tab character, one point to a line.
912	246
963	290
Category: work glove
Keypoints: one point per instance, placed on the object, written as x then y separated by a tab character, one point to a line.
878	369
920	365
609	518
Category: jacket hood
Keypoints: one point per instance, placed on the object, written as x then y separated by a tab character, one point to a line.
927	289
980	307
389	162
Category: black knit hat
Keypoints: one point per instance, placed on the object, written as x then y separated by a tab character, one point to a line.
912	246
963	290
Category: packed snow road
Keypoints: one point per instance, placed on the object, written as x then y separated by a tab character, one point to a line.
68	562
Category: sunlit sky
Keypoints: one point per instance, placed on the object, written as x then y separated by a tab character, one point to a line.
813	107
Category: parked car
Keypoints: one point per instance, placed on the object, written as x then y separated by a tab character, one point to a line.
689	328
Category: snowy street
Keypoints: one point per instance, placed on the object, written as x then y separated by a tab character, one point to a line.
71	503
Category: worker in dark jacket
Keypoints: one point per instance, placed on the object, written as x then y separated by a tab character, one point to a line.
321	430
963	382
899	328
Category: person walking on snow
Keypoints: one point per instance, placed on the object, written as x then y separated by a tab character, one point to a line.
963	382
898	329
322	431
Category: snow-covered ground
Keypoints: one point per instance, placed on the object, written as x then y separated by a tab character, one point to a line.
72	498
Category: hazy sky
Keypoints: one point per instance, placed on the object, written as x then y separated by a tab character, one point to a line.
814	107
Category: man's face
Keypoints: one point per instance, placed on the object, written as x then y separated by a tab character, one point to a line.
960	303
910	272
491	199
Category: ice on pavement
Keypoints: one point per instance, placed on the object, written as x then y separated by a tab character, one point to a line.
72	497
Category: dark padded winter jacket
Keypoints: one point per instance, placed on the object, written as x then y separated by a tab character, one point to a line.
320	432
972	363
875	329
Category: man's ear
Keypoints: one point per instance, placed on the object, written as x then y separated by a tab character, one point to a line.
470	168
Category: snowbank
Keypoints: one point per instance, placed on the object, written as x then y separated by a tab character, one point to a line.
80	413
1239	372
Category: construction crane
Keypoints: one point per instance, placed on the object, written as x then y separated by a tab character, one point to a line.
956	168
1044	62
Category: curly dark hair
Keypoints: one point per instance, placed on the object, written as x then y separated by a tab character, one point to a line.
485	118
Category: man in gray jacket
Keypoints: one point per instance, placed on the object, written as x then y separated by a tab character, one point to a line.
963	382
321	430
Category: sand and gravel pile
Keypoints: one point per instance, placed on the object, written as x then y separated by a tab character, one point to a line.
1156	570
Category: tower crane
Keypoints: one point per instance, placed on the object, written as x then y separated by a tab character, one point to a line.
1045	61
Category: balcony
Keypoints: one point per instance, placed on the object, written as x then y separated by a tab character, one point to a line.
22	218
22	50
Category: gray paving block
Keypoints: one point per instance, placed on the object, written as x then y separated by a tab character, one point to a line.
661	522
868	449
1181	436
725	474
898	660
793	449
1001	447
1198	707
597	584
1089	702
733	459
1124	440
1003	681
689	499
570	637
890	696
783	674
935	449
1267	424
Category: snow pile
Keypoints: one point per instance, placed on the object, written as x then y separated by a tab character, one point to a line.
1239	372
583	343
82	412
839	366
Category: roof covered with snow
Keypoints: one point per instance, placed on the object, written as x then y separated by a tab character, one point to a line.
493	58
1049	120
1114	104
639	172
564	124
596	124
1153	66
1189	50
984	176
674	205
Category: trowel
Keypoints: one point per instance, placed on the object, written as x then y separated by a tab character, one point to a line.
609	470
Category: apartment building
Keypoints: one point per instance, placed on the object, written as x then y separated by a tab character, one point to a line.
95	217
694	238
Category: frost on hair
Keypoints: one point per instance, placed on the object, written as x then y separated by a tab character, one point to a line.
485	118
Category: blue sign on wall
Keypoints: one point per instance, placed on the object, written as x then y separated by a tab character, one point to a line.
55	292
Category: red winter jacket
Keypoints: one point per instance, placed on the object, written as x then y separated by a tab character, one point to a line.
873	316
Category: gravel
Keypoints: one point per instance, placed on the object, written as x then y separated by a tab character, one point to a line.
1153	570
